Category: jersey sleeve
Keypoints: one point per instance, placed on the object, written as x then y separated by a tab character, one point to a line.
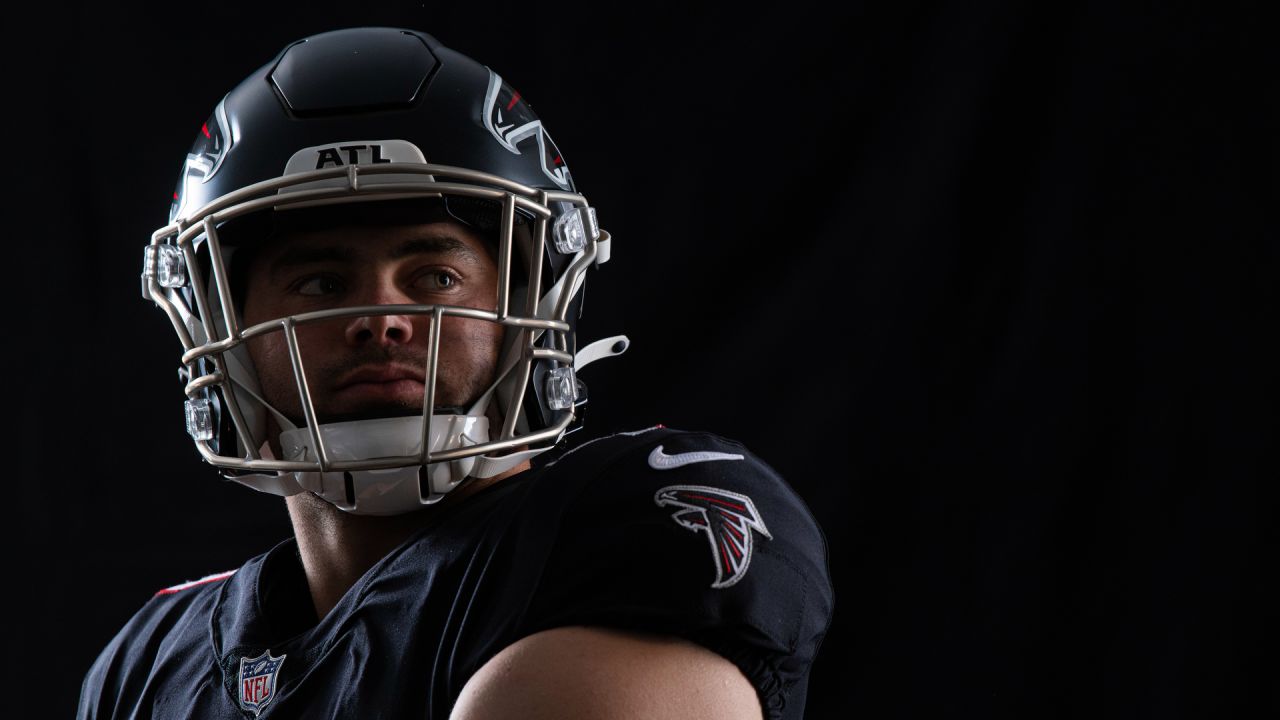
169	624
690	534
113	676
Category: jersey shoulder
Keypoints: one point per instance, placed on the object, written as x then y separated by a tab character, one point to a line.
691	472
689	533
658	452
173	620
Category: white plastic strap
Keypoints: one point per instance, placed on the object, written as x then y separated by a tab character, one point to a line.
481	405
489	466
605	347
602	248
552	296
237	371
282	484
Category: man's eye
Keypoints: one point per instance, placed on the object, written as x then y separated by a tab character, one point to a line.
437	280
319	285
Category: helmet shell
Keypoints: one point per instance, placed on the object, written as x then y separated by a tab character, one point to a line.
344	88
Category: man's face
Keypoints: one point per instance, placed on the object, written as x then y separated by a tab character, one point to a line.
374	366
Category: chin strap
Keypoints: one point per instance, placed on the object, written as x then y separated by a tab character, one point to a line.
237	370
487	466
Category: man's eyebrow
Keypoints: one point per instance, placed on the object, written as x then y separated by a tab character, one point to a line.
304	254
436	245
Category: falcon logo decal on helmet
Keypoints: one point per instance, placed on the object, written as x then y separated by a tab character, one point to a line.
511	120
206	156
726	518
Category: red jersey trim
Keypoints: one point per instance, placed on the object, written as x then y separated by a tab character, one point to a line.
192	583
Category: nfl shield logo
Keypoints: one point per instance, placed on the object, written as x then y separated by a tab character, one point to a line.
258	681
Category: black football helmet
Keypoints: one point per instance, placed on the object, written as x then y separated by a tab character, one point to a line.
396	122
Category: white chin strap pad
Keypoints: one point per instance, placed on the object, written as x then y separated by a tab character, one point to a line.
394	490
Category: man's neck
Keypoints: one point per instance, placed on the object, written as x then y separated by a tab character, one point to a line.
338	547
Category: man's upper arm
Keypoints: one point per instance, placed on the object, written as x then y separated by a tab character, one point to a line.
590	673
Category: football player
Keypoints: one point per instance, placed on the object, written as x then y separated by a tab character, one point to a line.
374	261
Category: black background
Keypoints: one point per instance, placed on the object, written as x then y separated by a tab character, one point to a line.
992	284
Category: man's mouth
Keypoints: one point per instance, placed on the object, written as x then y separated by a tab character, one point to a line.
378	388
383	375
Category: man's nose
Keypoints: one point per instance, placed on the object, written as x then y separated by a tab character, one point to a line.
381	329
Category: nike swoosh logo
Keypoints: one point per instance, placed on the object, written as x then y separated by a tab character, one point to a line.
659	460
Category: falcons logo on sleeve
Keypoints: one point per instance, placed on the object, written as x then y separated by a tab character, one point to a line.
726	518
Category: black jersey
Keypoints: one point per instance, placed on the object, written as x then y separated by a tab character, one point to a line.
660	531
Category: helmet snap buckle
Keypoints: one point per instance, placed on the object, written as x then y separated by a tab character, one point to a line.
164	263
574	228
